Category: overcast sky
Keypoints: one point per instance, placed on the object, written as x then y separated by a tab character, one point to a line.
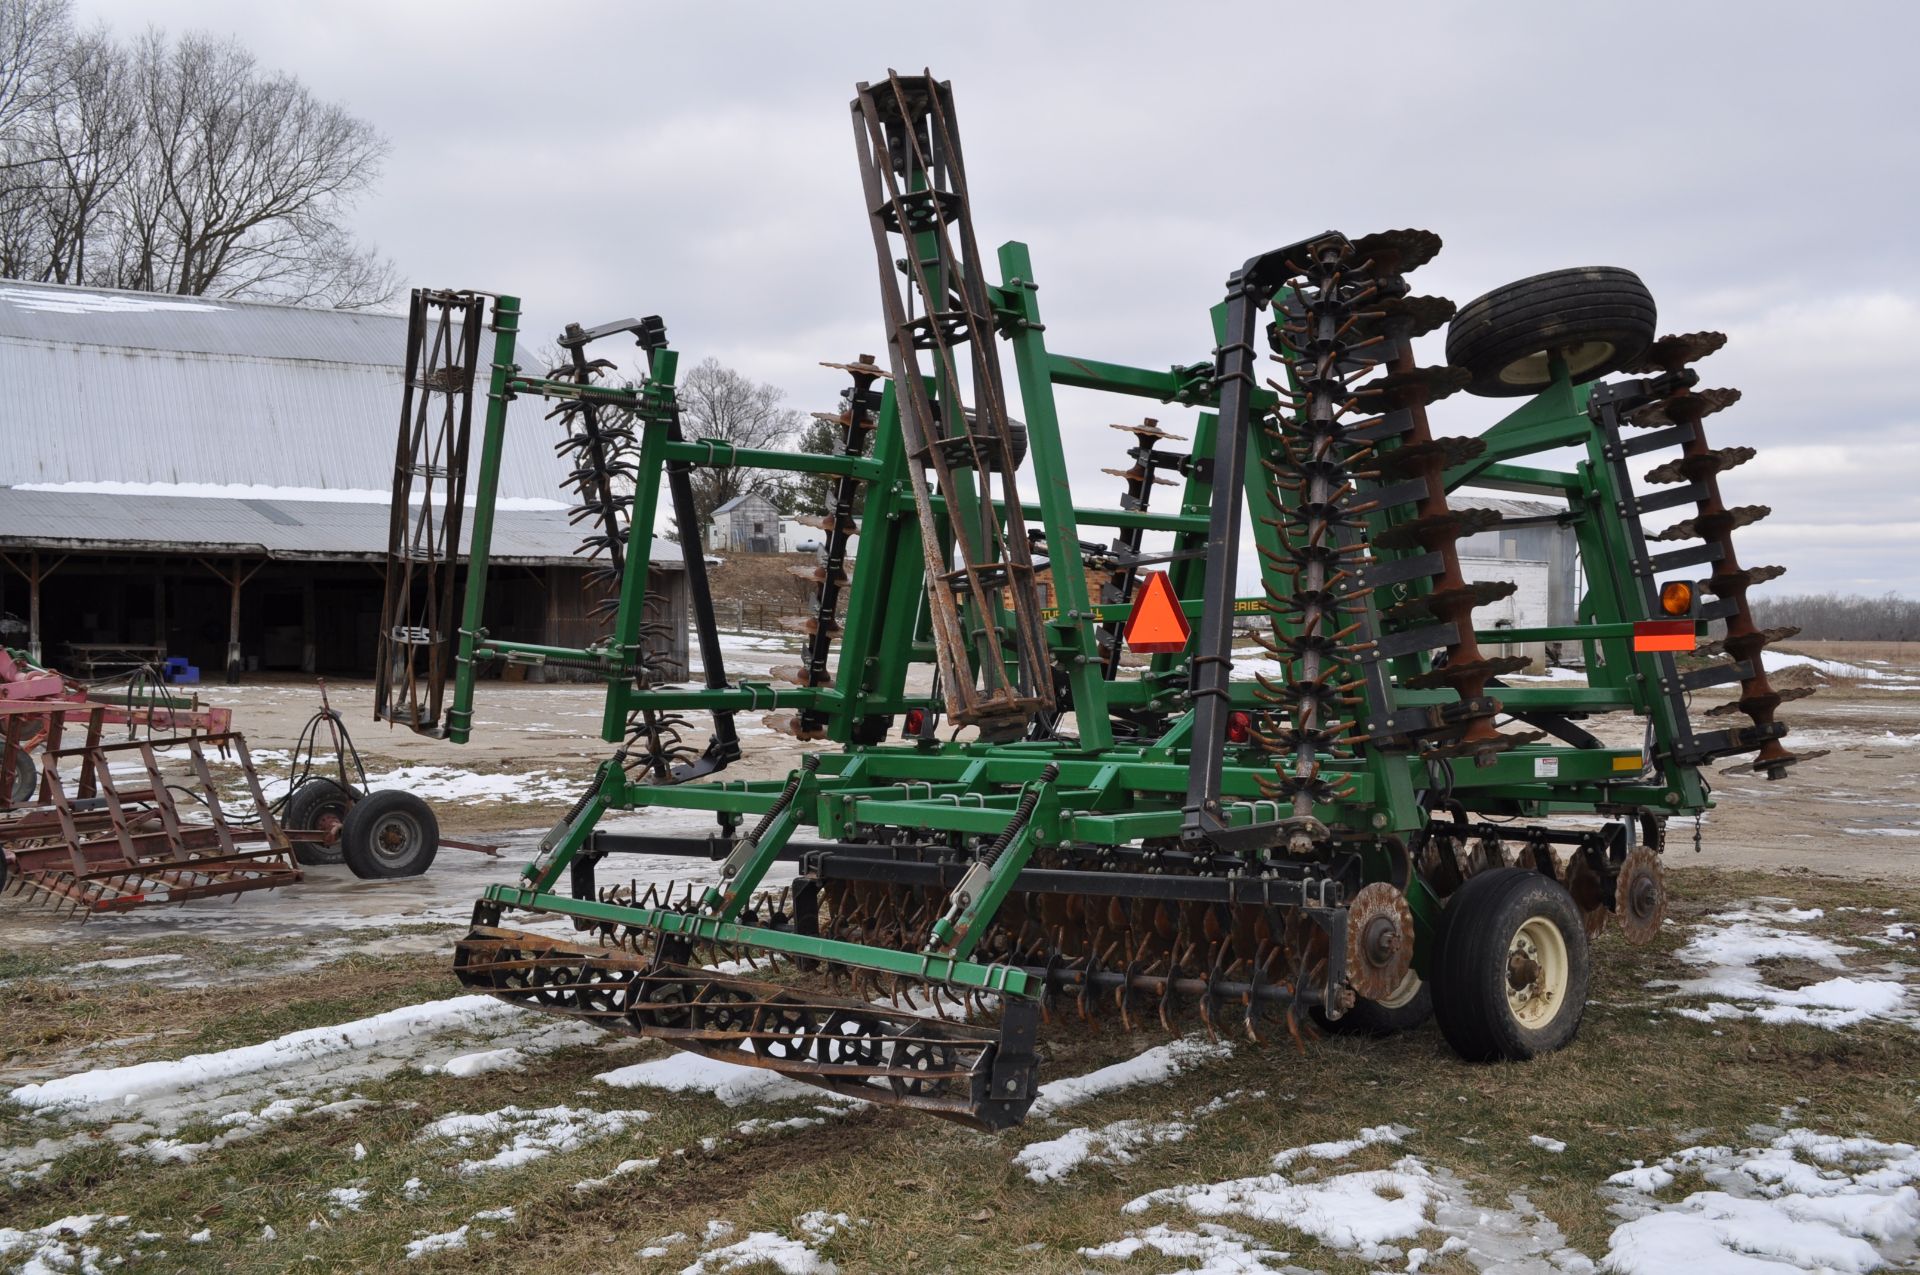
1756	163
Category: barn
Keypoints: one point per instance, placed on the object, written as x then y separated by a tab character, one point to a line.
745	524
210	479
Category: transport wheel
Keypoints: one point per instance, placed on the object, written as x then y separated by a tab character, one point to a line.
318	804
1509	967
1599	318
1410	1006
26	776
390	833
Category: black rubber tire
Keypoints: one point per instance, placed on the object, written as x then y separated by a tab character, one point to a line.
1371	1018
1470	965
390	833
26	775
1601	317
308	804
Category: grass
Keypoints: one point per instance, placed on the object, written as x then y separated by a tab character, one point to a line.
1639	1084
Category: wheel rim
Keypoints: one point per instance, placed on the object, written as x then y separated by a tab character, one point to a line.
1537	967
1402	995
1534	369
395	838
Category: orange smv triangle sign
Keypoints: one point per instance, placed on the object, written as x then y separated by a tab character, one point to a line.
1157	625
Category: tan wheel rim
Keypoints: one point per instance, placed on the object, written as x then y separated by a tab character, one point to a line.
1537	968
1403	994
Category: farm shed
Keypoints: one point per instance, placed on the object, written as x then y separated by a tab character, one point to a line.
745	524
1534	551
209	479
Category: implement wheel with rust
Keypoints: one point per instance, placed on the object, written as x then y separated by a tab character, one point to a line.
390	833
1509	967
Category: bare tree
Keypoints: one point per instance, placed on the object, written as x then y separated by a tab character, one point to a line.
718	402
32	34
176	166
1842	617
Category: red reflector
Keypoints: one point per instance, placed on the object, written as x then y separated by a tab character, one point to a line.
1239	727
1157	625
916	720
1664	635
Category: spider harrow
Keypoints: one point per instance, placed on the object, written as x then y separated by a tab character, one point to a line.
1361	824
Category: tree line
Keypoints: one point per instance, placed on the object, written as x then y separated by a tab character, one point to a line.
1837	617
176	166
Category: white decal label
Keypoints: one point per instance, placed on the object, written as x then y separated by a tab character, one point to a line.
1546	768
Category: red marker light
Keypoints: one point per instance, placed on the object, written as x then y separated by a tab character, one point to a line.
916	721
1239	728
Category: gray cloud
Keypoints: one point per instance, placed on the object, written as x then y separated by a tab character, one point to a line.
1755	162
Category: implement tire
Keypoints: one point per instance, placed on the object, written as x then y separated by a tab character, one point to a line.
388	834
1407	1009
1510	967
310	807
1599	318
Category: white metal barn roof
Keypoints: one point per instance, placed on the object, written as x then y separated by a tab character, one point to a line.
280	529
102	385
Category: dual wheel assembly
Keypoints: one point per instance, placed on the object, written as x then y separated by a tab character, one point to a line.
1507	976
380	834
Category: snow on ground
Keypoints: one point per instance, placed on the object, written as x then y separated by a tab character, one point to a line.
250	1088
1369	1213
1162	1062
127	962
785	1253
517	1135
731	1083
1115	1143
1802	1200
1730	948
1776	660
126	1086
57	1246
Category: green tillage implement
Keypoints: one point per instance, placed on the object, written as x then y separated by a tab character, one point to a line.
1332	842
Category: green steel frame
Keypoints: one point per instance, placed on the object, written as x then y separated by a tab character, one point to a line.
1102	787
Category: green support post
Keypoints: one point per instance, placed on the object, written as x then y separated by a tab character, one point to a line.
1074	644
506	327
657	411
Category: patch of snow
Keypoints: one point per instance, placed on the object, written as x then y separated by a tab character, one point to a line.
1547	1144
445	1242
128	1085
1219	1251
504	1214
413	1190
1162	1062
1729	946
1832	668
1378	1135
127	962
1360	1211
48	1248
620	1170
202	1236
1365	1211
519	1136
787	1255
1805	1200
349	1198
475	1064
1114	1143
1882	832
731	1083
